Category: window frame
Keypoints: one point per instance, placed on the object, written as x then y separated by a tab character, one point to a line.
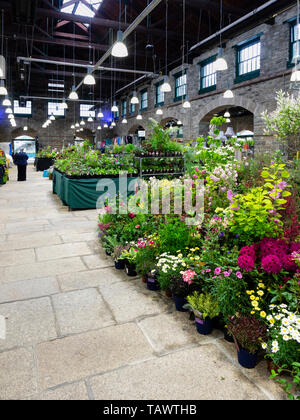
292	24
56	116
144	108
241	46
176	77
124	107
86	116
157	86
18	114
202	64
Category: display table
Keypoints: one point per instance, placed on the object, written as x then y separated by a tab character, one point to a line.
80	193
42	164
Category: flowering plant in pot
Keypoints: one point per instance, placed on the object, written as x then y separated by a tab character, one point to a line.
168	267
248	333
146	255
205	308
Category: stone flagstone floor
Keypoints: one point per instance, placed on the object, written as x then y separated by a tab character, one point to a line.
79	329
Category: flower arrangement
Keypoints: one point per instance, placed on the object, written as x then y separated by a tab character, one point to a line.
248	331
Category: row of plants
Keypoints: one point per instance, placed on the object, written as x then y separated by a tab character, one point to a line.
238	268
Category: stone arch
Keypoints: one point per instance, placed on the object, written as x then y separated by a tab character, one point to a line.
165	120
237	100
134	128
17	132
86	134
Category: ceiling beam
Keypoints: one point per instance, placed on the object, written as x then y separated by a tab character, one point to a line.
68	35
106	23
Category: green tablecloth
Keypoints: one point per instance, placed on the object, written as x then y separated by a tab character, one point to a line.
80	193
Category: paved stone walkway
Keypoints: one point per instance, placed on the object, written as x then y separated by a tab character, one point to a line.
79	329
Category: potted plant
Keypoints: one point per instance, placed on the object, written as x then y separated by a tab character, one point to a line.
152	283
119	263
129	255
248	333
146	256
168	267
205	308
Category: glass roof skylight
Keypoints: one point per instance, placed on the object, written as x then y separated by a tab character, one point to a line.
88	8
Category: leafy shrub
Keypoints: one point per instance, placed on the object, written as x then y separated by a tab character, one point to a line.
203	304
248	331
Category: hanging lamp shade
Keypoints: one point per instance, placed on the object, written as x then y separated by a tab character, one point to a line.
119	49
179	122
64	104
3	90
73	95
90	119
228	94
89	78
295	77
114	108
52	118
77	125
11	116
2	67
220	63
6	102
25	128
105	125
82	122
8	111
13	123
81	129
139	117
227	114
99	127
113	124
228	120
186	104
72	127
100	114
124	121
166	87
159	111
134	100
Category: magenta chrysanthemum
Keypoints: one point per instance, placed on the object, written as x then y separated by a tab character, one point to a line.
295	246
248	250
289	263
271	264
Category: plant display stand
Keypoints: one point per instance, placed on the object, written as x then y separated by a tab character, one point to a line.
80	193
169	165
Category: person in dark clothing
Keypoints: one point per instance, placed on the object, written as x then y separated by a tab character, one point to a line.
20	159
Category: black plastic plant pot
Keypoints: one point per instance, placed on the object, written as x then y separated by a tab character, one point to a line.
130	269
107	252
228	337
152	284
247	359
179	303
204	326
120	264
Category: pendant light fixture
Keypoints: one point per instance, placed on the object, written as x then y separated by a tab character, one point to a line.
228	94
221	63
10	116
90	119
25	128
114	108
159	111
8	111
134	100
64	104
82	122
73	95
166	87
295	77
186	104
119	49
89	78
99	127
13	123
3	90
228	120
113	124
139	117
72	127
179	122
52	117
77	125
124	121
6	102
100	114
105	125
227	114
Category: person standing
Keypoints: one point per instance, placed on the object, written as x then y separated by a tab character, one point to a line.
20	159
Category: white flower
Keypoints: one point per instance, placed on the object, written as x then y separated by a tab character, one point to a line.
275	349
285	322
284	331
283	305
275	343
264	346
286	338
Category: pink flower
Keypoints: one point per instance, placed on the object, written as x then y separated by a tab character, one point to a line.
239	275
208	270
246	262
226	274
218	271
195	176
137	226
271	264
196	169
188	276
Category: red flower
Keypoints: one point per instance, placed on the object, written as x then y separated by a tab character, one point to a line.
271	264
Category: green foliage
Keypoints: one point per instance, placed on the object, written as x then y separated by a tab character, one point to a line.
159	139
48	152
174	235
129	148
118	149
203	304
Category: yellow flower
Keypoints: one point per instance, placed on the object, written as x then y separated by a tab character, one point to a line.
197	249
260	293
252	312
257	298
263	314
252	297
254	303
197	257
272	321
180	255
257	309
261	285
